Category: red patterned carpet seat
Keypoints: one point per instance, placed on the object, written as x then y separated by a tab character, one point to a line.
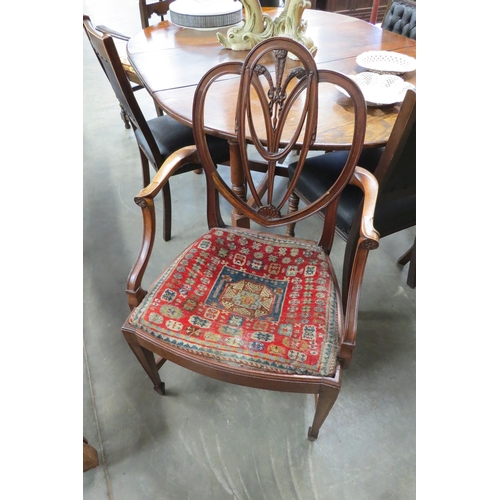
253	300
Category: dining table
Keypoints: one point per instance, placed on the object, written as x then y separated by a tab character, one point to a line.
170	61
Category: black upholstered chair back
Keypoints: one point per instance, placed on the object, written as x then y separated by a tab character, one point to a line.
401	18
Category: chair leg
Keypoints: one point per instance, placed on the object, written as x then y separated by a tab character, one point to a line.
147	360
124	117
410	256
159	111
405	258
293	206
326	400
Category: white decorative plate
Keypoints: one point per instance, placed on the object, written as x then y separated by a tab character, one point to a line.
384	61
380	90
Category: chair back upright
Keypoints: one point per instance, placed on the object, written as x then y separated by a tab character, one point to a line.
285	119
396	172
105	50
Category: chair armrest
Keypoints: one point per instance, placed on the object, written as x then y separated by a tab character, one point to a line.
113	33
145	199
367	182
181	157
367	238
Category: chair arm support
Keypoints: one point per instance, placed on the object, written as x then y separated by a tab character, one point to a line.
181	157
367	239
113	33
367	182
145	199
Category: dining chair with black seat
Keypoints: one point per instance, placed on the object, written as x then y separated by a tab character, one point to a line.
251	306
394	166
157	138
401	17
147	11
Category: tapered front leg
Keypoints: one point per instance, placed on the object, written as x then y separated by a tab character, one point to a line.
326	400
147	360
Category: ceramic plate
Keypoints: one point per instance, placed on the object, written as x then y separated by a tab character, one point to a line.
380	90
383	61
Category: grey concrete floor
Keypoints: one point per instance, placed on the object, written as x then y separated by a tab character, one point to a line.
208	439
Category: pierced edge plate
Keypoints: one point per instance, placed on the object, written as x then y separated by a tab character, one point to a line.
384	61
380	90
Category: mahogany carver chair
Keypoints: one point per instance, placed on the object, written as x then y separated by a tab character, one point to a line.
394	166
250	306
157	138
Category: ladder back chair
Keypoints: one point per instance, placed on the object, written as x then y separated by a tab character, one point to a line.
157	138
146	11
252	306
394	166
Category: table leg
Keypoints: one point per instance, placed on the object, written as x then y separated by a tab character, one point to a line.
237	183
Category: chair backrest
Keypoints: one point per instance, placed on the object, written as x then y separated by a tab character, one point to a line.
105	50
397	166
401	17
395	172
147	10
284	119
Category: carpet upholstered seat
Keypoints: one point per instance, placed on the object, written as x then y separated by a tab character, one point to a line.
249	299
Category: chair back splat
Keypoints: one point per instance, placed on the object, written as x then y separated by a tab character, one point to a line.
252	306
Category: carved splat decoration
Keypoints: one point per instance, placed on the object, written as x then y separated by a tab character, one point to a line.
277	91
278	82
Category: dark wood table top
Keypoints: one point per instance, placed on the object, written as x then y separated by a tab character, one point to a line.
171	60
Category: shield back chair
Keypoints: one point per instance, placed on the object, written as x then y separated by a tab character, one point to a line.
401	17
157	138
395	169
250	306
147	11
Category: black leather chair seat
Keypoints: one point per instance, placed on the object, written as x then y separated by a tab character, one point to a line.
391	215
320	171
